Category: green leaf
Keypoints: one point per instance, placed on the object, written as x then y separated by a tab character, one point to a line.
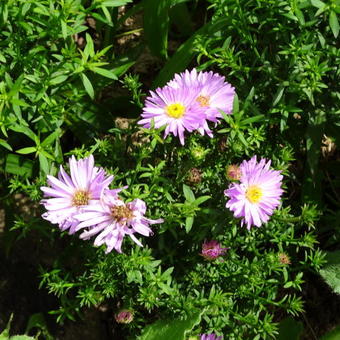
89	48
51	138
201	200
171	329
88	86
21	337
43	163
156	24
63	28
318	3
236	105
189	221
188	194
5	144
58	80
25	151
185	53
289	329
331	271
332	335
105	73
18	165
334	23
115	3
278	95
19	102
253	119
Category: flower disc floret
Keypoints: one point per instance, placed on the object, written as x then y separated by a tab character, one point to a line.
257	195
176	110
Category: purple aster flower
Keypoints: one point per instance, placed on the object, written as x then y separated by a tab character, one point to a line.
257	195
111	219
175	108
212	250
211	336
213	92
67	195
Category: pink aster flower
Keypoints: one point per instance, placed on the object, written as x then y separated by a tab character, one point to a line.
257	195
211	336
212	250
67	195
213	92
111	219
175	108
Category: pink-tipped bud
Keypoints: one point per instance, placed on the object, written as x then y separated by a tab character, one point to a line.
212	250
124	316
233	172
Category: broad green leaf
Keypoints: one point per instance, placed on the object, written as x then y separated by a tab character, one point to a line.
156	24
188	194
18	165
332	335
289	329
88	86
58	80
331	270
171	329
21	337
318	3
334	23
25	151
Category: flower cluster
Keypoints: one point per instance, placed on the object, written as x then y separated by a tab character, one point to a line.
188	102
257	194
83	201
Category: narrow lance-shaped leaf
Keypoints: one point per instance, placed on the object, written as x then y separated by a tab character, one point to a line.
156	24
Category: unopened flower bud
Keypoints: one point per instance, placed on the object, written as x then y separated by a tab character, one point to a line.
284	258
198	153
194	176
124	316
233	172
212	250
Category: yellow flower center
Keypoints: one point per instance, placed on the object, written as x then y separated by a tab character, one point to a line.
176	110
80	197
121	212
254	194
203	100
